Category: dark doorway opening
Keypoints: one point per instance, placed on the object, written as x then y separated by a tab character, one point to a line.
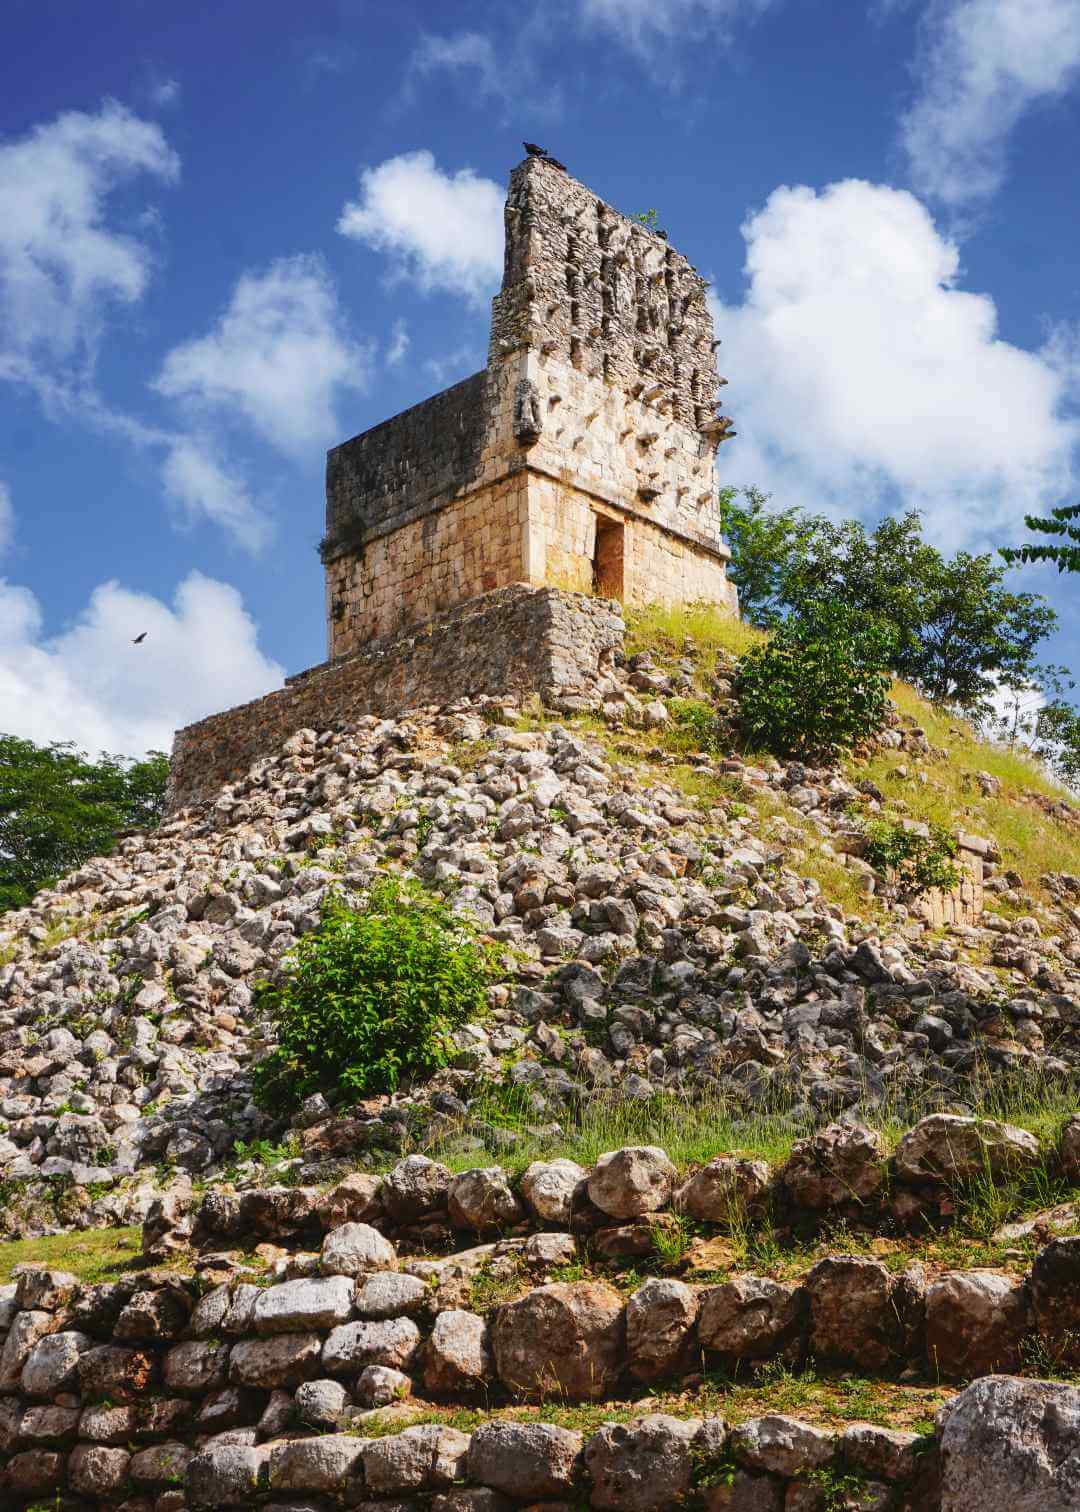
608	558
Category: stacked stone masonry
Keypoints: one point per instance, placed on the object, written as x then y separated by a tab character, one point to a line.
581	457
515	642
156	1386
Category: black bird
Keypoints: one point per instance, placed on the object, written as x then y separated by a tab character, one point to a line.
533	150
139	638
554	162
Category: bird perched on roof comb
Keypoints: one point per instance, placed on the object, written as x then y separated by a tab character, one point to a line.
533	150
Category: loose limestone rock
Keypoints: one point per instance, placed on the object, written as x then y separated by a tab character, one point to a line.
951	1147
630	1182
548	1186
353	1249
531	1462
564	1339
1011	1444
641	1466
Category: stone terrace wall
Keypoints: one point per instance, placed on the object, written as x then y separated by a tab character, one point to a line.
516	641
395	472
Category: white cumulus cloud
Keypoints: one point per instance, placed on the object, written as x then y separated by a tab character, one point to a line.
641	23
469	55
201	487
89	684
278	356
400	342
442	230
862	373
62	263
7	518
984	64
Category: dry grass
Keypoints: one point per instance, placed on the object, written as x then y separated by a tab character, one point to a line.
688	629
1032	843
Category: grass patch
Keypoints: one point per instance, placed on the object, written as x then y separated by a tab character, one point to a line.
700	630
831	1401
1031	842
91	1254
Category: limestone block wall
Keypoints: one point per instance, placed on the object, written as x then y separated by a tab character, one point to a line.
659	566
601	377
452	553
594	288
517	640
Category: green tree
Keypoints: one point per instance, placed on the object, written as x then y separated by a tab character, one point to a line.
58	807
764	543
818	685
960	635
1064	553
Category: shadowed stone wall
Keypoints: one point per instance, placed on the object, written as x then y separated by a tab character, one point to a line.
516	641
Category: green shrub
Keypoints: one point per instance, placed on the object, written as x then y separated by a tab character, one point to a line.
697	726
818	686
918	861
369	997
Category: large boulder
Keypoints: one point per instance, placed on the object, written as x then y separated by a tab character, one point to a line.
548	1186
297	1306
781	1445
951	1147
280	1361
415	1187
531	1462
726	1188
1055	1299
837	1167
391	1341
53	1363
975	1324
1011	1445
481	1200
391	1294
752	1318
630	1182
563	1340
660	1336
641	1466
430	1457
457	1360
354	1249
861	1314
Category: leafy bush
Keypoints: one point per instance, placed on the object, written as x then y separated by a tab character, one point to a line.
818	686
369	997
697	725
918	861
58	807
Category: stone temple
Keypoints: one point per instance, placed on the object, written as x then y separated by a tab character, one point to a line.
474	543
581	457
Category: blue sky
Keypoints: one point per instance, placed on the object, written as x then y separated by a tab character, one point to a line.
231	236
